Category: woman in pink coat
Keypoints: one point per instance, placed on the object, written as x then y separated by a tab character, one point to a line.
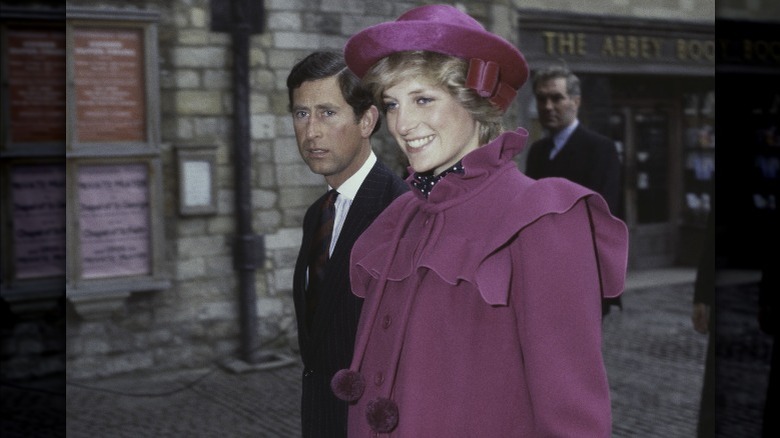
482	287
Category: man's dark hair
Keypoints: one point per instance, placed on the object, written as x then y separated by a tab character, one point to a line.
572	81
324	64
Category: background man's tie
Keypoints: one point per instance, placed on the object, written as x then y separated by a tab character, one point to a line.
318	256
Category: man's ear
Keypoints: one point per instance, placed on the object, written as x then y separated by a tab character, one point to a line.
368	121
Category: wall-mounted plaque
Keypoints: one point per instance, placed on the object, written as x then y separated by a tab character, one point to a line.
38	216
109	84
114	220
197	185
36	84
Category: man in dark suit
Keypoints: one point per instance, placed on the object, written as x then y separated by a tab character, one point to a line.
334	118
570	150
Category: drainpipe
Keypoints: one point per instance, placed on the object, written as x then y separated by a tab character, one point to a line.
245	256
240	18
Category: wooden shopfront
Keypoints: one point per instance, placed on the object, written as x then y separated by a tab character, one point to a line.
649	85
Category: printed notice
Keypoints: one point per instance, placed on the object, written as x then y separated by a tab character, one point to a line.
197	183
109	84
114	220
36	85
38	213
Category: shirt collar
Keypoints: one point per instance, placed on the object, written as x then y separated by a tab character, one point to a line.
351	186
563	135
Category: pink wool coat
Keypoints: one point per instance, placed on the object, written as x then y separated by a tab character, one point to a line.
482	312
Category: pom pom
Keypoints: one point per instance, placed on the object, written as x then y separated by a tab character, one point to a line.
382	414
348	385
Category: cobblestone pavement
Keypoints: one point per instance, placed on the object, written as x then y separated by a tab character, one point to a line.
654	358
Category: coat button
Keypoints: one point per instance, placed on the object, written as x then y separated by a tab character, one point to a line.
386	321
379	378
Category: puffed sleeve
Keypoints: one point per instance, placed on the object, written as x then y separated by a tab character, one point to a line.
557	298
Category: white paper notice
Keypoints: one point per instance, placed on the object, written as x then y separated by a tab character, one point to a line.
197	184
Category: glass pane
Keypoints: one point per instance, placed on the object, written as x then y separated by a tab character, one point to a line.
652	178
36	85
38	216
114	220
109	79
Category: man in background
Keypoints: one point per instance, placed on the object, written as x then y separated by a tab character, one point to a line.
569	150
333	118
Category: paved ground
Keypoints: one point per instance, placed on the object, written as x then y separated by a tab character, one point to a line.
654	359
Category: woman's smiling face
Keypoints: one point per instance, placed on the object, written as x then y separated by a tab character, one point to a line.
430	126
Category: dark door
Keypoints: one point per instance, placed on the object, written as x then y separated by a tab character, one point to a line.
644	133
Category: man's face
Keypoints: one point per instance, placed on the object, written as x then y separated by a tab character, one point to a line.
330	141
556	108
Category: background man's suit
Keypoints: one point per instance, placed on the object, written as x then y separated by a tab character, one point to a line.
588	158
327	346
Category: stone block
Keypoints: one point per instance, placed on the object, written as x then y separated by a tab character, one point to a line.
298	174
201	246
217	311
286	5
298	40
198	17
221	225
263	126
206	128
225	203
285	150
283	20
199	57
126	363
259	103
300	196
192	226
193	37
214	79
347	7
219	265
269	307
283	278
96	346
198	102
191	268
283	238
264	198
267	220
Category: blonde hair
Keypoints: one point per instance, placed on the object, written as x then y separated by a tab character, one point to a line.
448	72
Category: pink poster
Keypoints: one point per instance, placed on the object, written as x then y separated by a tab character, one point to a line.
114	220
38	214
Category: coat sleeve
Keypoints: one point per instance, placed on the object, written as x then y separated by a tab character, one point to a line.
557	300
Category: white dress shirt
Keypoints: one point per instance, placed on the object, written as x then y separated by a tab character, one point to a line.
560	139
347	193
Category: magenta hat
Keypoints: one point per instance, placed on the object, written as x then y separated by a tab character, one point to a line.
497	69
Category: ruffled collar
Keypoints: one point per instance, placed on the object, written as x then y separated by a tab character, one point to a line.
424	182
477	165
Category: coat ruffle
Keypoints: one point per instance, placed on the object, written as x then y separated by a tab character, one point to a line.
475	249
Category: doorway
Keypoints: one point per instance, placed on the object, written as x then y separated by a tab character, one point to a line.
645	133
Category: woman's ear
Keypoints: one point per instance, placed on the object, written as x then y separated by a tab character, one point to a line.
368	121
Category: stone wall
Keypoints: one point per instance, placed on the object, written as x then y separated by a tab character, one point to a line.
195	322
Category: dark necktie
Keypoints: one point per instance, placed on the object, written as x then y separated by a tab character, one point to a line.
320	246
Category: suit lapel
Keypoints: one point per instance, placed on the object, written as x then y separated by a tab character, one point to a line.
365	207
